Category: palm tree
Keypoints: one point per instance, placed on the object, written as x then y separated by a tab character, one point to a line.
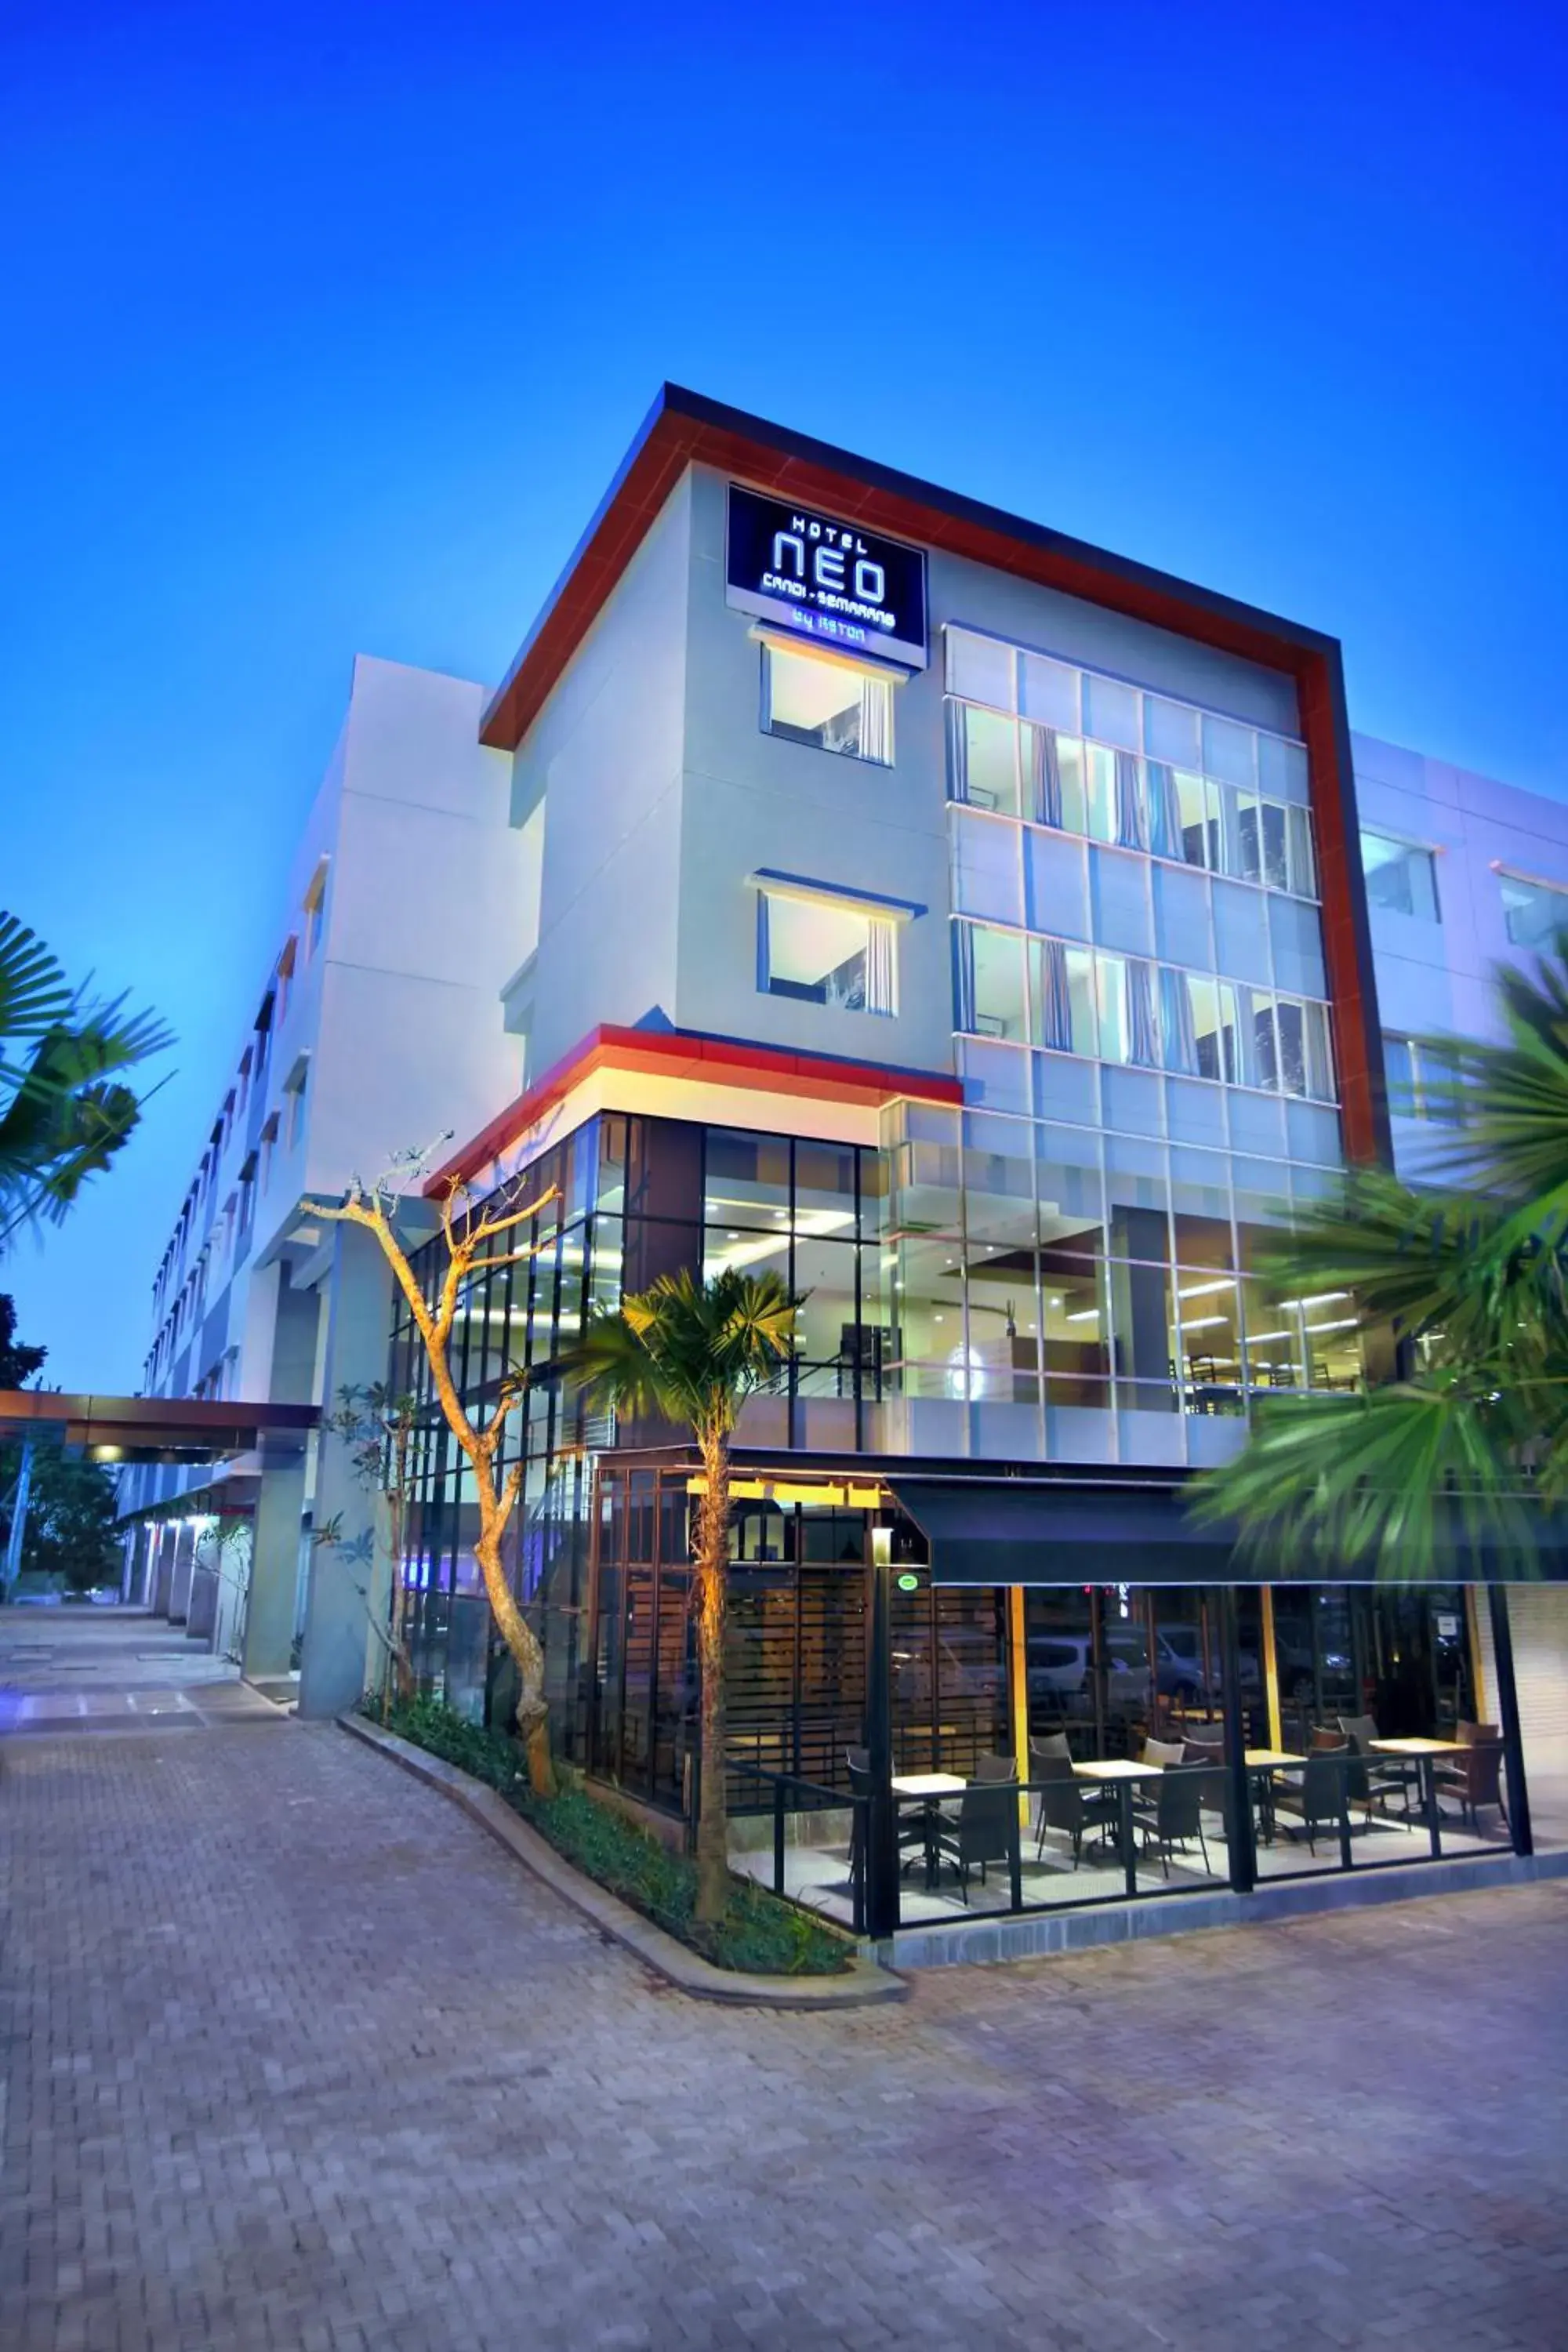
65	1108
692	1352
1469	1437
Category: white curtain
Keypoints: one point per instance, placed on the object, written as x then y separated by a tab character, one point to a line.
876	720
881	966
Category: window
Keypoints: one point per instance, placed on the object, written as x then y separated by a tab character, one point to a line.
1121	1008
827	950
263	1037
1061	982
315	909
994	996
832	704
268	1146
244	1081
1420	1080
1400	875
286	979
294	1099
1534	912
1289	1045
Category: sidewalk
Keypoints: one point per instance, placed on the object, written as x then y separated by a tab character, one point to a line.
298	2058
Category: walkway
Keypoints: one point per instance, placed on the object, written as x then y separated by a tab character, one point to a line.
298	2058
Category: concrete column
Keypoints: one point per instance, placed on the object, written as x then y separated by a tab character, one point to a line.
334	1670
180	1582
169	1533
201	1616
274	1567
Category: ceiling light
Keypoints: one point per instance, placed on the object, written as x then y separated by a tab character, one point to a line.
1341	1323
1085	1315
1256	1338
1205	1289
1323	1299
1202	1322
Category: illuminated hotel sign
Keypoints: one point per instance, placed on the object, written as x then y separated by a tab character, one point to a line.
824	579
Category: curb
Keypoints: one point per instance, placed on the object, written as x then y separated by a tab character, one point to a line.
863	1985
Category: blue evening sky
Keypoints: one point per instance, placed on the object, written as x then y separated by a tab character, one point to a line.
324	329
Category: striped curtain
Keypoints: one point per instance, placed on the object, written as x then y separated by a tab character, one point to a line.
1131	830
1142	1030
1045	776
1054	1007
1164	811
1176	1022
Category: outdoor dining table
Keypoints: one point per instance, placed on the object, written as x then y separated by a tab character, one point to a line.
927	1789
1263	1763
1423	1754
1123	1773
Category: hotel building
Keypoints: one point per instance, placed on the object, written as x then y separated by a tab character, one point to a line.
1000	941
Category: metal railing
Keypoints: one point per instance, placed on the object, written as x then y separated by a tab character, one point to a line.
1331	1811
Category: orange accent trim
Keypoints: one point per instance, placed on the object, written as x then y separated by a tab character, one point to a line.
686	1053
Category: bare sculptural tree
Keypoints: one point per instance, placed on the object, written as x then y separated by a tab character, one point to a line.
469	1232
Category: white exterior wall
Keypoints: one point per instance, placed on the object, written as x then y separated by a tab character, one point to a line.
662	794
397	1014
605	758
1438	977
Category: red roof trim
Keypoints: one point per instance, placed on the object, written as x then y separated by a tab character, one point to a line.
686	1053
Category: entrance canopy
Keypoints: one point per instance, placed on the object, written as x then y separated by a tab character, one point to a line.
1053	1531
155	1429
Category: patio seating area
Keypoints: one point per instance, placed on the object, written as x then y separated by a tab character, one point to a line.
1113	1828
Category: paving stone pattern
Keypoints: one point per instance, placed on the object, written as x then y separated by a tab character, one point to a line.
297	2057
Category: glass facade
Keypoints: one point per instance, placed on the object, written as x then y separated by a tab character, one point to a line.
982	1285
1143	1032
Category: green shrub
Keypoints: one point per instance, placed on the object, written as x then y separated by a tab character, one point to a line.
759	1932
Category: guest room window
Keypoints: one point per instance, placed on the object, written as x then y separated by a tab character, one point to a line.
828	703
828	947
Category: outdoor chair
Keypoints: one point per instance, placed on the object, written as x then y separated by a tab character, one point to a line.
1375	1779
1050	1743
1163	1751
1064	1806
1474	1777
985	1829
1173	1815
1322	1792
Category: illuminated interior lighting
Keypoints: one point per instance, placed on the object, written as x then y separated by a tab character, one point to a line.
1085	1315
1205	1289
1202	1322
1323	1299
1256	1338
1341	1323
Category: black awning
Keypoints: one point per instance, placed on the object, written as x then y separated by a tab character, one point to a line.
1027	1531
1043	1531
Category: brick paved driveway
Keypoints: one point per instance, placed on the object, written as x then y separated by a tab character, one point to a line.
296	2057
